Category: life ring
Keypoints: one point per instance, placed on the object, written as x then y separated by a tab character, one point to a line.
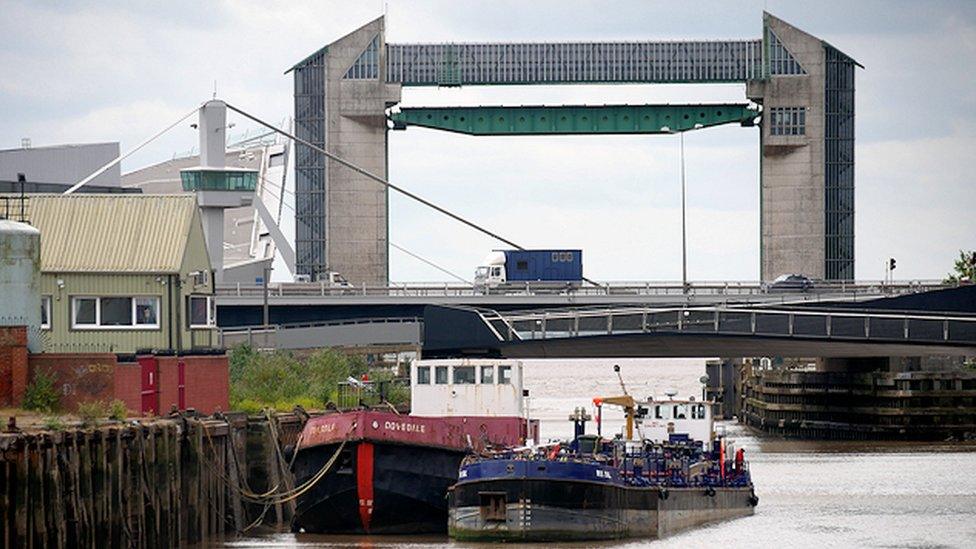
710	492
664	493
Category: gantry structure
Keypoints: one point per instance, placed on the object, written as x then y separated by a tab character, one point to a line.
346	95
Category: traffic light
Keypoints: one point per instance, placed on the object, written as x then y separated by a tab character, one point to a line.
891	264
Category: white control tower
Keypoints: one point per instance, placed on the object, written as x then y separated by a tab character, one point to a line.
217	187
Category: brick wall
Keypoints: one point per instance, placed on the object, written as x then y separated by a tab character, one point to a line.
79	377
13	364
128	385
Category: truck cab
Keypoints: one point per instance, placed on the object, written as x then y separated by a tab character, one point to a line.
491	272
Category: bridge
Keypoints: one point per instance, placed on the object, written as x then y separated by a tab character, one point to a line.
344	90
241	306
698	331
649	320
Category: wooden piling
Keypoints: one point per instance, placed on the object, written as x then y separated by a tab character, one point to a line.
164	483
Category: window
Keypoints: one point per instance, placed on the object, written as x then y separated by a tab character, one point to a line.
440	375
146	312
522	265
199	278
505	375
114	312
787	121
201	312
496	271
46	312
488	374
464	375
781	61
366	66
84	311
423	375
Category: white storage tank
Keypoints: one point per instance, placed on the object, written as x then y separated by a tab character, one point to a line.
20	275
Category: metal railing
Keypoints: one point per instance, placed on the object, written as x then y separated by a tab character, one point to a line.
822	291
853	324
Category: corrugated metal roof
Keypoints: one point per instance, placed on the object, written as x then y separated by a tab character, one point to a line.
112	233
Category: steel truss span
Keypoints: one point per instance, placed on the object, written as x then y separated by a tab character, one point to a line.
574	120
574	63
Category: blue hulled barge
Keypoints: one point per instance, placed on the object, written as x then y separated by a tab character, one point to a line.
593	488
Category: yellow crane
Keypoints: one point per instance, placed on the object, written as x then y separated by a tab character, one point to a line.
625	401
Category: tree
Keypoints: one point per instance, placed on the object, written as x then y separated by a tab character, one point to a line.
964	269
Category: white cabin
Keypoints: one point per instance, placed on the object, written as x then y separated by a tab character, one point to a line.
466	387
690	417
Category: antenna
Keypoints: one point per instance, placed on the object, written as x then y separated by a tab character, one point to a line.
215	89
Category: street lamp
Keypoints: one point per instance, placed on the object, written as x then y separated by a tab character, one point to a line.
684	228
684	215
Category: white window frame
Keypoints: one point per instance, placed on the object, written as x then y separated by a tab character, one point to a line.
46	306
211	312
98	313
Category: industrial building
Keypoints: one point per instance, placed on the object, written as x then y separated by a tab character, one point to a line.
122	273
61	164
805	86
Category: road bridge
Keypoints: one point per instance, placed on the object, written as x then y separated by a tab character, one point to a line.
240	306
697	331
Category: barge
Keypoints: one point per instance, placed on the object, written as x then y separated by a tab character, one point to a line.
380	472
595	489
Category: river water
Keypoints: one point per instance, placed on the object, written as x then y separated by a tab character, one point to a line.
812	494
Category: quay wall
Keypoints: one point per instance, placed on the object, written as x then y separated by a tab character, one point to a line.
159	483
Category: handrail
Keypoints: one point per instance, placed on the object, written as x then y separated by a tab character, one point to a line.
623	288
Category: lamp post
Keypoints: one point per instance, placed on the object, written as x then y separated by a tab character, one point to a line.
684	228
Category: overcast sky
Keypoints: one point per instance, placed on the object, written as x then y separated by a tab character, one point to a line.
120	71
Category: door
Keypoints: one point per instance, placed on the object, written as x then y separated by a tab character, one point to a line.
149	368
181	374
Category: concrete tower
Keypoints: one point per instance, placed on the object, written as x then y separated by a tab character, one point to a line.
341	96
807	166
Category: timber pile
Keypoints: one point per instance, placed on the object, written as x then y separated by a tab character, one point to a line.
158	483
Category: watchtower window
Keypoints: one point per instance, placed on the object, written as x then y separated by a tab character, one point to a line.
787	121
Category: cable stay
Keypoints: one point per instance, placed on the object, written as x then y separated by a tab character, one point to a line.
429	262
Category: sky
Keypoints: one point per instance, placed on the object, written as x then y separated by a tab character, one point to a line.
121	71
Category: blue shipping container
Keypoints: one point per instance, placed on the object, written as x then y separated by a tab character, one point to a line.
544	265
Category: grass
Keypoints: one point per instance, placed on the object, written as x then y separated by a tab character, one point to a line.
279	380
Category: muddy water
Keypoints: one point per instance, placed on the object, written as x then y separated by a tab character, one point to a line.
811	494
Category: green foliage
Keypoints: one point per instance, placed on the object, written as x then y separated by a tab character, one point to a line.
964	268
117	410
53	423
41	395
90	412
279	380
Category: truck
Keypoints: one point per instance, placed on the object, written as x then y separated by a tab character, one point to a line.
515	269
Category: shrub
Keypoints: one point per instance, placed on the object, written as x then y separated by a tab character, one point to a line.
90	412
117	410
41	395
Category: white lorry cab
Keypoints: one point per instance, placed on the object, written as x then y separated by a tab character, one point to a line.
491	272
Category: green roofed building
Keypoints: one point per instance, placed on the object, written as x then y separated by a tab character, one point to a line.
121	273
